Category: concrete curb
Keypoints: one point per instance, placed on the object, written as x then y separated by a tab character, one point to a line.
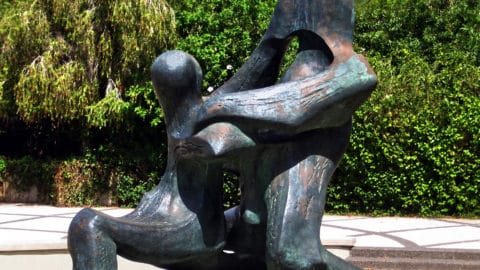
419	259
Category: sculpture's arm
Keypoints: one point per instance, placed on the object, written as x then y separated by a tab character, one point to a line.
261	69
327	99
332	21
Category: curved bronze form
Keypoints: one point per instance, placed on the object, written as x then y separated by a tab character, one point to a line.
283	137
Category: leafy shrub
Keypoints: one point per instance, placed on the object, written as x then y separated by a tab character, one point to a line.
3	164
26	172
131	190
145	104
83	182
415	144
59	57
75	76
107	176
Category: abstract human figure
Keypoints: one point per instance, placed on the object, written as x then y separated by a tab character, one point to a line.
284	140
181	221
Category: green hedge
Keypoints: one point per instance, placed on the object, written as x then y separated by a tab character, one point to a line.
415	147
108	175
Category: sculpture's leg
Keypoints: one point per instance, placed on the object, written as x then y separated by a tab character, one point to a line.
295	201
88	246
176	226
95	239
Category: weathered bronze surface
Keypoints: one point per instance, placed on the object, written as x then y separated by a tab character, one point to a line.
283	137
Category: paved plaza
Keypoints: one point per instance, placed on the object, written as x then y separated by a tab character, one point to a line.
37	228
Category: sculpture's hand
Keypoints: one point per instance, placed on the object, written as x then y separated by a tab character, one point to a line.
215	140
327	99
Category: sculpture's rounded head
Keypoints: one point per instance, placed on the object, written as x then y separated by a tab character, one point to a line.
177	77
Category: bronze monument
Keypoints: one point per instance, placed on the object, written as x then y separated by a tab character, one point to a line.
283	137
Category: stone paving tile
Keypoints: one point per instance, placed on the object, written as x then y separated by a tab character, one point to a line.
37	226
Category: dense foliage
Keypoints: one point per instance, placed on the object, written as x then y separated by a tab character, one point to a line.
415	147
61	58
221	34
74	83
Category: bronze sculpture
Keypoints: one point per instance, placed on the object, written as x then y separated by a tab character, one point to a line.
284	140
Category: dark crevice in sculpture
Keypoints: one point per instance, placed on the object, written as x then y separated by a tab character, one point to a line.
282	138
